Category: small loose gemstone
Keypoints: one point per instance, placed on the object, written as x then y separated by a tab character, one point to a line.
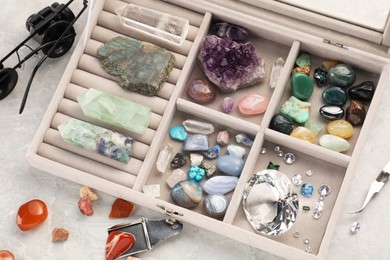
263	150
85	206
215	205
31	214
356	113
289	158
363	91
196	159
304	133
152	190
273	166
320	77
306	240
6	255
321	197
253	104
308	249
330	112
85	191
198	127
230	164
341	128
277	148
164	157
178	161
282	124
302	85
319	205
196	143
220	184
296	109
334	143
213	152
276	70
297	179
232	31
187	193
280	153
236	150
296	234
317	214
315	127
309	173
209	168
201	91
121	209
223	138
227	104
335	96
196	173
59	234
342	75
355	227
324	190
175	177
303	69
244	139
118	243
307	190
303	59
178	133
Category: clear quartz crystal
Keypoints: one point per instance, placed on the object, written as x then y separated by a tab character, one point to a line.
198	127
309	173
164	158
355	227
276	70
297	179
317	214
289	158
319	205
324	190
263	150
280	153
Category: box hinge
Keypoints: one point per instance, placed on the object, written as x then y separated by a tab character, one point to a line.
169	211
337	44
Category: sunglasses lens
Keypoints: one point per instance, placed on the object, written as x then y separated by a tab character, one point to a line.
8	80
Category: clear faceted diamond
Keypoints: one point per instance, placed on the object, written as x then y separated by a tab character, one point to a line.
296	234
317	214
289	158
355	227
324	190
297	179
306	240
309	173
263	150
308	249
280	153
319	205
321	197
277	148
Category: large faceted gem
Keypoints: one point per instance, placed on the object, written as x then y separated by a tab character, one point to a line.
253	104
335	96
142	67
304	133
201	91
342	75
334	143
362	92
31	214
341	128
118	243
230	65
114	110
302	85
270	202
282	124
187	193
121	209
298	110
356	113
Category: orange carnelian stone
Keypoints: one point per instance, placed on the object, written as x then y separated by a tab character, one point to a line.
31	214
118	243
6	255
121	209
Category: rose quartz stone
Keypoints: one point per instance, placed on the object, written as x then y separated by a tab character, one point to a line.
253	104
176	176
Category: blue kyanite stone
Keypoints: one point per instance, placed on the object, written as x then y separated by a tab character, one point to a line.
196	142
230	164
307	190
178	132
213	152
196	173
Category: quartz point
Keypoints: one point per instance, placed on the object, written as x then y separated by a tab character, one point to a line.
198	127
115	110
244	139
276	70
164	158
31	214
141	66
97	139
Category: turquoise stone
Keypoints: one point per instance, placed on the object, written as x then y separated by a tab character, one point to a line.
302	85
341	75
303	59
296	109
282	124
335	96
187	193
178	132
196	173
307	190
97	139
230	164
115	110
198	142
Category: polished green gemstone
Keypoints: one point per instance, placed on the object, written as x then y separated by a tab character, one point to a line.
302	85
316	127
296	109
115	110
303	59
342	75
273	166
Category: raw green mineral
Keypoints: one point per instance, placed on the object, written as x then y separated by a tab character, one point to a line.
115	110
142	67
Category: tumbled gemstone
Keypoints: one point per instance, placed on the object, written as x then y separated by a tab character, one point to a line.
121	209
213	152
236	150
302	85
244	139
58	234
281	123
341	128
320	77
164	158
201	91
178	133
303	59
196	173
362	92
253	104
304	133
220	184
307	190
227	104
296	109
187	193
356	113
314	126
209	168
6	255
31	214
232	31
330	112
179	160
223	138
85	206
175	177
276	70
198	127
215	205
335	96
196	143
334	143
341	75
118	243
230	164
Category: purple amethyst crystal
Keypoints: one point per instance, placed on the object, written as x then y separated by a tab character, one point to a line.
230	65
227	104
232	31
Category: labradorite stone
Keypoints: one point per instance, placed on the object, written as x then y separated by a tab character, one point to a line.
342	75
363	92
282	124
298	110
335	96
356	113
302	85
330	112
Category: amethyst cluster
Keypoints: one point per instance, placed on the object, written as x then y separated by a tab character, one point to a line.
230	65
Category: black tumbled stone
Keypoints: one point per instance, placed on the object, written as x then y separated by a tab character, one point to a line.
282	124
362	92
330	112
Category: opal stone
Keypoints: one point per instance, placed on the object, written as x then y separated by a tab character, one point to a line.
196	173
304	133
118	243
121	209
227	104
196	142
187	193
220	184
213	152
334	143
303	59
363	91
6	255
236	150
342	75
356	113
253	104
164	158
31	214
341	128
307	190
304	69
244	139
232	31
281	123
178	160
316	127
223	138
178	133
276	70
115	110
142	67
335	96
215	205
97	139
210	168
198	127
296	109
330	112
175	177
201	91
230	65
320	77
85	206
230	164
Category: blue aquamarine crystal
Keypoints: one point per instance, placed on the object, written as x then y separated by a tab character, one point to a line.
244	139
178	132
307	190
213	152
195	143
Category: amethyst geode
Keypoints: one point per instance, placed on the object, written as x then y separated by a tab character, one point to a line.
230	65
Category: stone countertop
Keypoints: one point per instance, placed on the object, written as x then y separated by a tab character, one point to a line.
20	183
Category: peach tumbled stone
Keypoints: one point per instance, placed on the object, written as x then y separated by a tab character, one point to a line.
253	104
304	133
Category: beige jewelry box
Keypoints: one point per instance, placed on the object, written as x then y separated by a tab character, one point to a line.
171	106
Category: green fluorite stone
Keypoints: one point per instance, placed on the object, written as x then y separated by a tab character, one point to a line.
298	110
303	60
302	85
115	110
141	66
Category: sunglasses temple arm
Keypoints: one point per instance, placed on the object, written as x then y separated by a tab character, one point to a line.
27	90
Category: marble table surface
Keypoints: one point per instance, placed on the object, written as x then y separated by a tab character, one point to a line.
20	183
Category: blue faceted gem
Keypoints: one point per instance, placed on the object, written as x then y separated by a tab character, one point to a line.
307	190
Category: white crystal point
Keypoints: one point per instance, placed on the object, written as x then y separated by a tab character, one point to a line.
196	159
164	158
220	184
198	127
276	70
236	150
